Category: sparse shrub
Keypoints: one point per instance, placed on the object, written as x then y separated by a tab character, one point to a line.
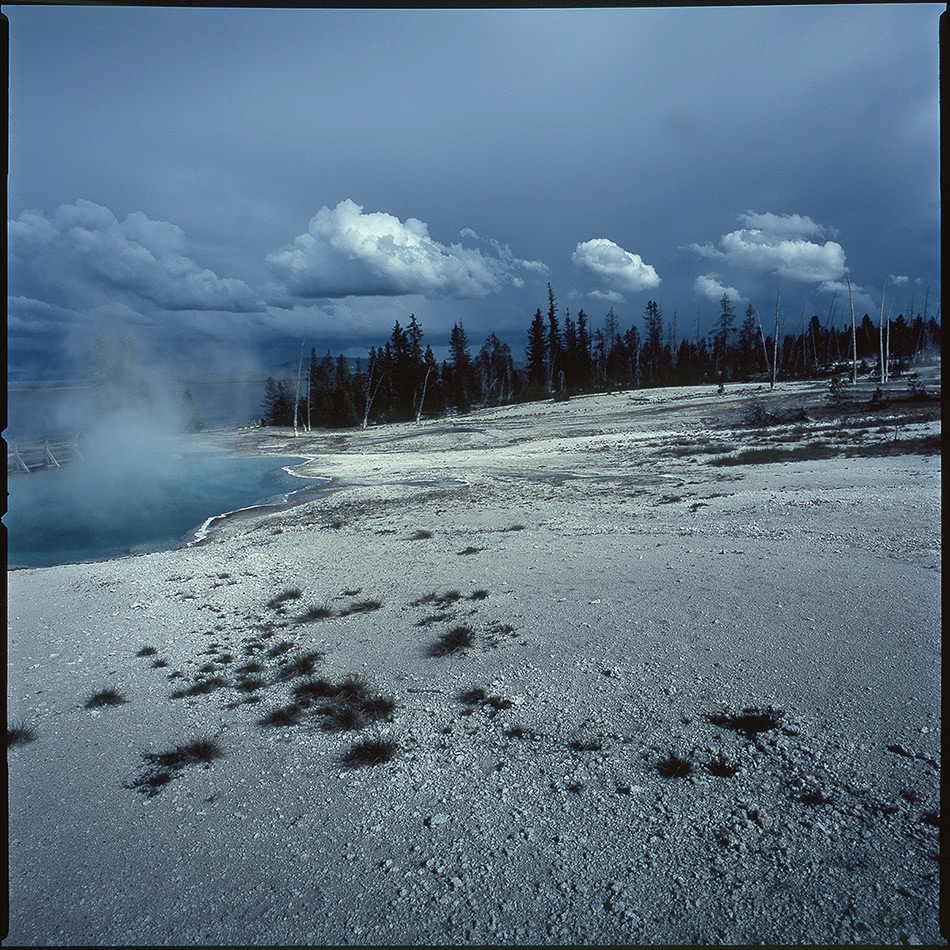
250	684
162	765
473	696
158	664
370	752
255	666
301	665
478	595
361	607
378	707
421	535
498	702
279	648
351	687
105	697
147	651
316	612
470	550
312	690
291	593
19	733
205	685
283	716
345	716
458	638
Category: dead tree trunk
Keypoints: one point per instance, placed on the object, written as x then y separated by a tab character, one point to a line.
854	338
881	327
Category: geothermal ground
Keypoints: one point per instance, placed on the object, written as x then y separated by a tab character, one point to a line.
657	667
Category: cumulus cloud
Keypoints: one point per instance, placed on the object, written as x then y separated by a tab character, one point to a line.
618	268
83	256
900	279
611	296
789	245
348	253
709	286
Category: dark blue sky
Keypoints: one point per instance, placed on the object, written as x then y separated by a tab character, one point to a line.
222	184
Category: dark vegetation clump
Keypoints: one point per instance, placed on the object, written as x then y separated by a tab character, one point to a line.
291	593
279	648
158	664
105	697
478	595
147	651
255	666
361	607
316	612
750	722
458	638
282	716
421	535
19	733
472	697
301	665
674	767
250	684
470	550
370	752
161	766
312	690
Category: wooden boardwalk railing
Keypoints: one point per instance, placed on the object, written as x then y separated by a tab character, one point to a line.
34	455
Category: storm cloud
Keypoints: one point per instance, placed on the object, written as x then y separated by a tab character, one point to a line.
83	256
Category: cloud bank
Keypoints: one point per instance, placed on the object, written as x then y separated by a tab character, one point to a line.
83	256
779	244
619	269
348	253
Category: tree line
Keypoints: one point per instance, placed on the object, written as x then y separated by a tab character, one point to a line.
563	357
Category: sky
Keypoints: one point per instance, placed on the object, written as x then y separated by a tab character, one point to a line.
223	185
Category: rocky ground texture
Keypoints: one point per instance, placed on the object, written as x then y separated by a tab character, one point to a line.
641	668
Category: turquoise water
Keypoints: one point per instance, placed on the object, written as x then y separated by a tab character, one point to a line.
80	513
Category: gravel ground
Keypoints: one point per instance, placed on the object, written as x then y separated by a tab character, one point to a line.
700	702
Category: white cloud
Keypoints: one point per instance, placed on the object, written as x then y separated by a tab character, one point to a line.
348	253
709	286
620	269
83	257
779	244
900	279
611	296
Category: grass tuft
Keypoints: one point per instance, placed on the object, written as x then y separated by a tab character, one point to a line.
163	765
282	716
316	612
472	697
105	697
478	595
589	745
279	648
458	638
361	607
312	690
19	733
301	665
291	593
370	752
469	550
147	651
421	535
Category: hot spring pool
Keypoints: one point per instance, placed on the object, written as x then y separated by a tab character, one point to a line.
84	512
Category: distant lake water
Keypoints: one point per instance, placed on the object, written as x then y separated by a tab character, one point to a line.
82	512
